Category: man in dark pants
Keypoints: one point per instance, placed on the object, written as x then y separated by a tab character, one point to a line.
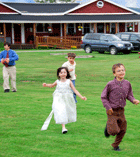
114	98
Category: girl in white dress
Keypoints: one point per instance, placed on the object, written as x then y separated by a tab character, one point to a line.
64	106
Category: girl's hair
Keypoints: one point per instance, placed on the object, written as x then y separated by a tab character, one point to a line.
59	70
116	66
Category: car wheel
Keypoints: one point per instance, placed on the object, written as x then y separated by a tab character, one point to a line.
101	52
113	50
127	52
88	49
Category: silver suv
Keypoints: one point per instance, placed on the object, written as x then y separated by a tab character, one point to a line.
105	42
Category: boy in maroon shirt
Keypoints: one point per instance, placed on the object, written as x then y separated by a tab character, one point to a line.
114	98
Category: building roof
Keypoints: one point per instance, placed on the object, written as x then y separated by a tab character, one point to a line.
19	1
60	13
108	1
42	7
15	18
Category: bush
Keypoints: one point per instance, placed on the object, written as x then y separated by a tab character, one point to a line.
1	46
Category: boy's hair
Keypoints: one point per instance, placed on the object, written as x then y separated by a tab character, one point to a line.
116	66
6	43
71	55
59	70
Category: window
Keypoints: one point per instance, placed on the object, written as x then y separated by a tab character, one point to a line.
103	37
113	28
93	36
125	36
113	37
1	28
71	29
89	36
118	35
134	37
86	28
96	37
43	28
46	27
40	27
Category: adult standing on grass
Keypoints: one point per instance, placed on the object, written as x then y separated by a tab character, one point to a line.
8	58
71	64
64	106
114	98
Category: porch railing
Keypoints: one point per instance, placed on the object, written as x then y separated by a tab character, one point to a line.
59	42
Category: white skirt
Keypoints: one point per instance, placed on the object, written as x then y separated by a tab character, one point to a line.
64	108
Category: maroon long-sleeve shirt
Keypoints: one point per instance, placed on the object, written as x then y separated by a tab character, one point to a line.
115	94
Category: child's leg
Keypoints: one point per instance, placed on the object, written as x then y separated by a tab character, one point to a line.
112	125
122	125
64	130
63	126
74	95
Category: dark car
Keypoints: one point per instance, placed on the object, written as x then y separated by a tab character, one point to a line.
132	37
105	42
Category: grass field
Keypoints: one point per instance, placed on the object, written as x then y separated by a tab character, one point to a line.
23	113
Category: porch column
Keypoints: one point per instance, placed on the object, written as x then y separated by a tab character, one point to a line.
94	27
65	29
61	34
74	27
125	27
104	27
34	33
13	39
116	28
22	34
133	27
91	30
4	31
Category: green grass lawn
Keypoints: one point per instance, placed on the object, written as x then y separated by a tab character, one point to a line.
23	113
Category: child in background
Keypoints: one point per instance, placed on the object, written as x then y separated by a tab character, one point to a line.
114	98
64	106
70	64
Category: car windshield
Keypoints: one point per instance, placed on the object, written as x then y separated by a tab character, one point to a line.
113	38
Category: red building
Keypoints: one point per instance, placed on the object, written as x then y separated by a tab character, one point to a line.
22	22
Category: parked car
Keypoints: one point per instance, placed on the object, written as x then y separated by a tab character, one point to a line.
105	42
132	37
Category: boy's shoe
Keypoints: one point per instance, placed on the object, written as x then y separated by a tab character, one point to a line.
14	91
64	131
6	90
117	149
105	132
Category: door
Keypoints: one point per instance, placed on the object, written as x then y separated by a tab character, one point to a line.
121	27
103	43
17	33
94	40
135	40
29	38
100	27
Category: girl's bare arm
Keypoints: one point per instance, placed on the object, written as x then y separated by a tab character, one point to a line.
50	85
76	91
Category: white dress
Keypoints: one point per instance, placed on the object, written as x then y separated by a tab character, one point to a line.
64	106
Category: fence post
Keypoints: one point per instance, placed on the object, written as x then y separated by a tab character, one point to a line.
36	43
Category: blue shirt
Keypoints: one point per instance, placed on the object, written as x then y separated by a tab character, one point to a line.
12	56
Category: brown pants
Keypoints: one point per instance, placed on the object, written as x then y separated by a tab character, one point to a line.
116	125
